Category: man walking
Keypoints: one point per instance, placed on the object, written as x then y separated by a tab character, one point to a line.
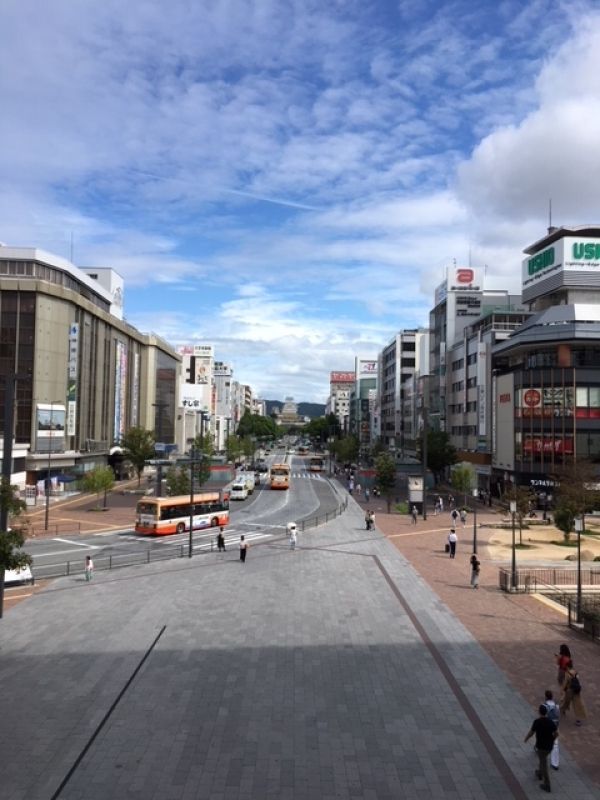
545	733
243	549
415	515
221	541
553	714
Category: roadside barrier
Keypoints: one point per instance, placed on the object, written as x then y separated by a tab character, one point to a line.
165	553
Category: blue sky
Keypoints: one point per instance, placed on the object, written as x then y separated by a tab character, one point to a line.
288	180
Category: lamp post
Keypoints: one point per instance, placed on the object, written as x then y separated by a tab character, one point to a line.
475	521
192	465
513	572
424	444
579	523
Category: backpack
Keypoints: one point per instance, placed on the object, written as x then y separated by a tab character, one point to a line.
575	684
553	713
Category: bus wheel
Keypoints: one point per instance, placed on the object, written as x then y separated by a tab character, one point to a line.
214	522
181	527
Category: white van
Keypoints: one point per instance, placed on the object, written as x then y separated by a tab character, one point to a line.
247	478
238	491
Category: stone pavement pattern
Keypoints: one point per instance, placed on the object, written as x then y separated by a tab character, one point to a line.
329	672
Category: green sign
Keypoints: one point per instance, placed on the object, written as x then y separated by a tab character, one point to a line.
541	261
588	251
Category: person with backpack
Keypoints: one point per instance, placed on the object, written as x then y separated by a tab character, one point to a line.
553	713
463	516
572	695
454	515
562	662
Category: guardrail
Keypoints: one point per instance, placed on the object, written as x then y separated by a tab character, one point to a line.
166	553
550	576
53	530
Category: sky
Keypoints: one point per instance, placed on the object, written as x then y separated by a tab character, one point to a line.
289	180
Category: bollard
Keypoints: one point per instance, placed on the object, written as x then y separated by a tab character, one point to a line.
110	562
148	556
68	567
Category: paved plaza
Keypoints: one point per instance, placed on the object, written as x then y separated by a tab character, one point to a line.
332	671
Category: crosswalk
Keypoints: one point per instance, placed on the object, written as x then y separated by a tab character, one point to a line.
315	476
207	539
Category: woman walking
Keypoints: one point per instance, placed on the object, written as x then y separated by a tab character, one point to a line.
563	657
89	568
475	569
572	695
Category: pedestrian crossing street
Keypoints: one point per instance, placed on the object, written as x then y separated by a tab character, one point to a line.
207	539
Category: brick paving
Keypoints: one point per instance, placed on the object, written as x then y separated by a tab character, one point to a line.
519	632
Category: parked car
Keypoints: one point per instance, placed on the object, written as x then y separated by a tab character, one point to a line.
18	576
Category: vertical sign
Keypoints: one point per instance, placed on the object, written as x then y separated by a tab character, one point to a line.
135	390
120	390
72	378
482	413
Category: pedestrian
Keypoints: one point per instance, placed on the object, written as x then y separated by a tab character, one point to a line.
367	494
441	503
553	714
89	568
463	516
371	520
243	549
350	486
358	489
545	733
450	501
293	537
439	506
475	570
572	695
414	514
454	516
452	540
221	541
562	662
368	519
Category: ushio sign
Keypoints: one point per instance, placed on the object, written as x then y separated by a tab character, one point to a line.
570	254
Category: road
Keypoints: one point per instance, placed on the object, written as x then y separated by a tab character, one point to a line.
260	517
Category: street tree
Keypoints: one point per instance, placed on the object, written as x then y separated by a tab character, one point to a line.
13	538
177	480
233	447
441	453
463	479
346	449
577	493
99	480
256	425
138	447
385	475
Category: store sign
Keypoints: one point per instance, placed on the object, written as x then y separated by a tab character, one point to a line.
464	278
342	377
367	368
541	261
589	251
532	398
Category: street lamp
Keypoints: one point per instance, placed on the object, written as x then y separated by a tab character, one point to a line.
475	494
424	445
513	573
579	523
192	466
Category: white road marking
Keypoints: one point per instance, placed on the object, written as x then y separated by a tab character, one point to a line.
77	544
60	552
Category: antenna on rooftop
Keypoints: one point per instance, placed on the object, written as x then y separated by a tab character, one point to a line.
551	227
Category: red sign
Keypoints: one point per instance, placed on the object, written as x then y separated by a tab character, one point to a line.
505	398
465	275
342	377
532	398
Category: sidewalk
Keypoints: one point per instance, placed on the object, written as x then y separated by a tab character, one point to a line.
332	671
520	632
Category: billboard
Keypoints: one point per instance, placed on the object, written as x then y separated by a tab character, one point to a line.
366	368
120	390
342	377
72	371
504	422
50	427
572	260
464	279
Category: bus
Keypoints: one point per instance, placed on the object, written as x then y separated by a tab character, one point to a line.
316	464
280	476
160	516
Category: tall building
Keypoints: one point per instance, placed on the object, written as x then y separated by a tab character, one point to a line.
398	362
224	418
546	386
363	400
83	375
341	384
196	410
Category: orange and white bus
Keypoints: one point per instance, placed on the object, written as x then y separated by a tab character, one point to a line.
160	516
316	464
280	476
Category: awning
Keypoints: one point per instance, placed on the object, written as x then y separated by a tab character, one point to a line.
64	478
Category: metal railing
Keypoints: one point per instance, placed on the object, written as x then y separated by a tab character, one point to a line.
53	530
165	553
549	576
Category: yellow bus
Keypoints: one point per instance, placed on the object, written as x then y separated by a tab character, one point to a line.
280	476
160	516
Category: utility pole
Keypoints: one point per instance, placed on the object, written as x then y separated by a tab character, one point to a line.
192	466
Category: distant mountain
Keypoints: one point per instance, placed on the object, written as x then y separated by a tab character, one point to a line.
312	410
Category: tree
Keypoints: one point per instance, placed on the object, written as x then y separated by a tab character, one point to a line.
321	428
441	454
523	498
178	480
256	425
577	493
234	448
346	449
564	519
101	479
12	539
138	447
463	479
385	475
